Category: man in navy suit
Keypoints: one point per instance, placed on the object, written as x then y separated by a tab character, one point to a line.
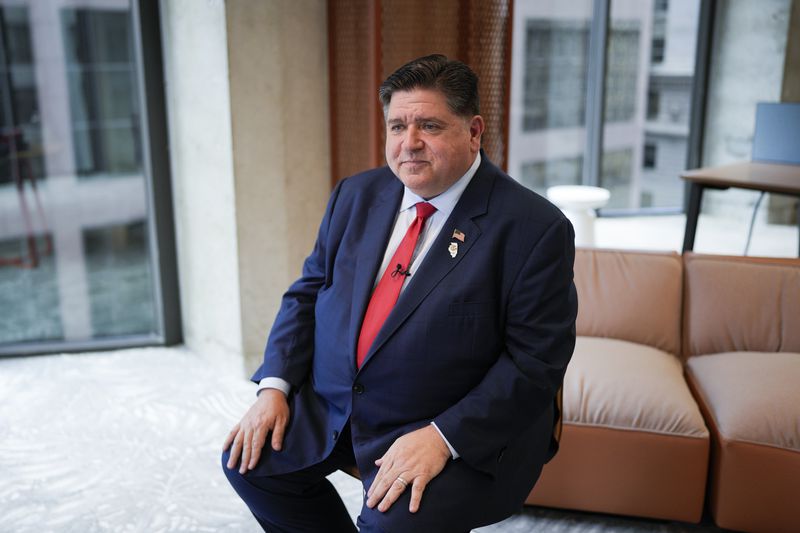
425	341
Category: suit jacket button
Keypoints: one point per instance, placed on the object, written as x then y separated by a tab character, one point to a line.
358	388
335	434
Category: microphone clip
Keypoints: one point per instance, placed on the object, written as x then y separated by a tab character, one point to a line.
398	271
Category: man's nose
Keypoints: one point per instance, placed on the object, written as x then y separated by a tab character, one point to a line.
413	139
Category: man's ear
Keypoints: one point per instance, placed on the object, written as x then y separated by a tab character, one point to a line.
476	129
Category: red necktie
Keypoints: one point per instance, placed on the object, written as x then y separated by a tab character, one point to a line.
388	289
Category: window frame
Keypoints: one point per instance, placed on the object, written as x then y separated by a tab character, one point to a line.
146	32
595	101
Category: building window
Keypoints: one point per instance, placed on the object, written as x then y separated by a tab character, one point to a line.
102	90
20	127
555	74
649	160
622	68
653	102
657	51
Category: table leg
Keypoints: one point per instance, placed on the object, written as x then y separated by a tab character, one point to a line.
692	214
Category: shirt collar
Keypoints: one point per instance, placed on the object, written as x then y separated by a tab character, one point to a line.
445	202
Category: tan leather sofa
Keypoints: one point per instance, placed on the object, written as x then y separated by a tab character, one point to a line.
742	343
635	441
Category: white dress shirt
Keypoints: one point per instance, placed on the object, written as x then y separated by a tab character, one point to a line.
444	204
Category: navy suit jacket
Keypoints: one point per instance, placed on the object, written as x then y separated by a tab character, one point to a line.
477	343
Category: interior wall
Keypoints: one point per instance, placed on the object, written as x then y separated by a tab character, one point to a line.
198	114
247	98
784	209
747	66
790	91
277	53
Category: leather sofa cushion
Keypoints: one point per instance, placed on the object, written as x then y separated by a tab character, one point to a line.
764	410
619	384
634	296
737	304
620	471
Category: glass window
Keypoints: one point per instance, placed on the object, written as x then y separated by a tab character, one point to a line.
102	92
653	100
649	156
555	80
20	127
659	94
542	174
547	124
622	67
75	253
615	175
649	76
119	279
657	51
751	43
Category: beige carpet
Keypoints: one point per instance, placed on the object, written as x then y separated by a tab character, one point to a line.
129	441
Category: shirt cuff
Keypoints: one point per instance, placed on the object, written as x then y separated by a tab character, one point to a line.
274	383
453	451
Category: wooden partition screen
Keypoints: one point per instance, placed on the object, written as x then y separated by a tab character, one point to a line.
369	39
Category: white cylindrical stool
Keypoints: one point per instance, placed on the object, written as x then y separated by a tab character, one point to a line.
578	203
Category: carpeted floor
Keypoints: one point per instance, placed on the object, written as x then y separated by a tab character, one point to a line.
129	441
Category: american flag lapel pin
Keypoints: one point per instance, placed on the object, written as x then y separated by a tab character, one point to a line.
458	234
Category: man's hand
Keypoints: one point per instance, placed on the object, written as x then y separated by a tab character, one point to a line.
414	459
270	412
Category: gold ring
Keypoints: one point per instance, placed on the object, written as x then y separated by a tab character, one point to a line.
402	481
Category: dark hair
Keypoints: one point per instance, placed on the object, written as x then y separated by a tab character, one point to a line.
453	78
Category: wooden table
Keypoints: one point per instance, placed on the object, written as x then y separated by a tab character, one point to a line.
767	177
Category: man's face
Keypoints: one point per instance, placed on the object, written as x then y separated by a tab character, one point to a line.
428	146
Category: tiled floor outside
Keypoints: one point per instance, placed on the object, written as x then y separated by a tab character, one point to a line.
715	235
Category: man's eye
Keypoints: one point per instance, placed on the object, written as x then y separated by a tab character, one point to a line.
430	126
396	128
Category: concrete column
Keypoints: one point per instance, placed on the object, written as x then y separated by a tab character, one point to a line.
277	52
791	64
247	96
198	109
746	68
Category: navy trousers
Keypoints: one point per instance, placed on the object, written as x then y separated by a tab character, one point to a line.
306	502
302	501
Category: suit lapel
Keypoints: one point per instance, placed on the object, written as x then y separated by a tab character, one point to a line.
379	221
438	262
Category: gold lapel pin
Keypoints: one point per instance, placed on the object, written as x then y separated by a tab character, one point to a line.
453	249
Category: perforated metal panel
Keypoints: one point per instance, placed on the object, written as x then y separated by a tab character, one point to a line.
488	52
415	28
369	40
356	123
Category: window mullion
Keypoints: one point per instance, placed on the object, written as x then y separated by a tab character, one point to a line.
595	92
705	35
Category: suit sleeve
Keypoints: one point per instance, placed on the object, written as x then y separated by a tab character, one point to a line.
539	341
290	347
